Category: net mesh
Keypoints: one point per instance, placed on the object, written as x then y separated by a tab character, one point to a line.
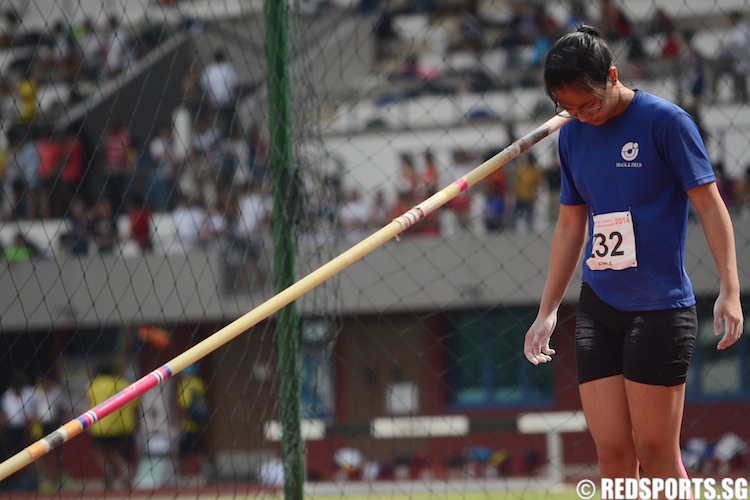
136	221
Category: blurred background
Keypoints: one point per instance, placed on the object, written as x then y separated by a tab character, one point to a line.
169	165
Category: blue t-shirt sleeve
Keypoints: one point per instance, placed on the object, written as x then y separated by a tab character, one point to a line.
684	152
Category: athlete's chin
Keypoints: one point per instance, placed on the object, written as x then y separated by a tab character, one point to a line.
595	121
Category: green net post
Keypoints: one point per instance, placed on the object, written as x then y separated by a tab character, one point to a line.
284	257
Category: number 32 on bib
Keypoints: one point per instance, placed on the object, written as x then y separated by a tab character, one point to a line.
613	242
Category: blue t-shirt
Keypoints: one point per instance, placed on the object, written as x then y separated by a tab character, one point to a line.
642	162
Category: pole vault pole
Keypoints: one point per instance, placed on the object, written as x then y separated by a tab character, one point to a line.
73	428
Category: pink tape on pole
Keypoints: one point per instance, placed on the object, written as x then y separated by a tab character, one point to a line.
462	184
133	391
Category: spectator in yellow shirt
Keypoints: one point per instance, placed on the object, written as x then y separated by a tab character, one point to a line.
113	435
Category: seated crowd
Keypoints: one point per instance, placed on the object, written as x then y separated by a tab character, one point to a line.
217	188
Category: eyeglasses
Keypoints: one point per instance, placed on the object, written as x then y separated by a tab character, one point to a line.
559	110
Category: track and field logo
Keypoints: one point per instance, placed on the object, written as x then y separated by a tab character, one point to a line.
629	151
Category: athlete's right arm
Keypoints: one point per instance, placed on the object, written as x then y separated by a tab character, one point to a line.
567	245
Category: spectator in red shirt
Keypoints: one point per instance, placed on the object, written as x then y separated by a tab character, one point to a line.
50	161
73	164
140	222
118	145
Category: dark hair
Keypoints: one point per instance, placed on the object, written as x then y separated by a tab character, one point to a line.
579	58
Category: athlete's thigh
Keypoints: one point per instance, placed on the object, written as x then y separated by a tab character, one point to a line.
656	415
605	405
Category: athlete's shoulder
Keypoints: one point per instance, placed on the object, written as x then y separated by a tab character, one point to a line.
655	105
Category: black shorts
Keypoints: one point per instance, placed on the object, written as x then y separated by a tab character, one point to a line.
191	443
650	347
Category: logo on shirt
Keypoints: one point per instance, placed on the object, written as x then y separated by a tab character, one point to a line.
629	152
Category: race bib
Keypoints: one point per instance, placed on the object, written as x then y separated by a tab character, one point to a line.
613	242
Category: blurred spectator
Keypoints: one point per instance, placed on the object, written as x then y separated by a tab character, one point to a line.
249	233
10	25
226	162
91	48
670	48
494	208
542	29
461	204
206	136
410	67
27	100
199	174
113	435
221	83
194	417
62	55
662	23
142	176
495	191
51	159
528	179
734	58
692	76
513	39
118	48
118	146
310	8
353	214
140	222
188	216
72	167
379	214
21	250
470	30
8	110
217	230
400	206
430	176
191	90
408	180
413	70
348	462
29	161
386	35
103	227
53	408
614	24
236	157
258	154
17	413
730	447
577	16
14	181
164	159
76	239
271	474
672	42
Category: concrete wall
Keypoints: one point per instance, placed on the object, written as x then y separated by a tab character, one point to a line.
416	273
